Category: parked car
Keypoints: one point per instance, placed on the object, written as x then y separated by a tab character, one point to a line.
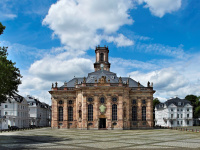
32	126
14	128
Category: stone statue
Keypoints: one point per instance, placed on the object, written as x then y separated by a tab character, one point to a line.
52	85
56	84
138	84
148	84
84	80
120	79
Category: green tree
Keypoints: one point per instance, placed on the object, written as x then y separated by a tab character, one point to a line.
1	28
195	103
155	102
9	75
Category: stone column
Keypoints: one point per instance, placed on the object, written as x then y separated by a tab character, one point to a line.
96	112
84	112
127	120
139	111
108	113
54	120
120	112
65	114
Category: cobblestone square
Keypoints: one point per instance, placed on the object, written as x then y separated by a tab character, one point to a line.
47	138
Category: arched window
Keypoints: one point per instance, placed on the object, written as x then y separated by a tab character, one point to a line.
143	102
134	113
114	99
90	112
134	101
102	100
70	113
90	99
143	113
101	57
114	112
70	102
60	102
60	113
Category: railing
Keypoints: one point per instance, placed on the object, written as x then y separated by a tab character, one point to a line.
187	118
142	88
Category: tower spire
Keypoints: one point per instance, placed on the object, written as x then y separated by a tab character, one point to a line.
101	59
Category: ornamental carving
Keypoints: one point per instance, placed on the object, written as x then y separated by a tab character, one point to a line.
102	80
102	109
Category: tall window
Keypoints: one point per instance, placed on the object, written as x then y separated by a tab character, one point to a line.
114	112
102	100
70	113
90	112
101	57
60	113
134	113
143	113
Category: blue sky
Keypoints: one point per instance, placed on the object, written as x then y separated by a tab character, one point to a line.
150	40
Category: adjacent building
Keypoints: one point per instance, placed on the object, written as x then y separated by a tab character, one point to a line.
14	112
174	112
102	100
40	113
23	112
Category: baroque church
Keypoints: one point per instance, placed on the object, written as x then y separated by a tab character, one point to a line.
102	100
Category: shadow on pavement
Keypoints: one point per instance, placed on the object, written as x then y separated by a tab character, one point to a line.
27	142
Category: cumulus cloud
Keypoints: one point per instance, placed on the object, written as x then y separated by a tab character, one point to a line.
55	69
82	24
160	7
120	41
167	79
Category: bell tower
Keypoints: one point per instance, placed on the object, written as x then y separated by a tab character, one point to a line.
102	59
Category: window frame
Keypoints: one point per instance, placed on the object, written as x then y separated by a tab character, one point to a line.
90	112
114	112
70	113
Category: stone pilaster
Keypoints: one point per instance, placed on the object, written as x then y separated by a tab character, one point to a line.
120	113
54	121
65	114
139	111
84	112
96	113
108	113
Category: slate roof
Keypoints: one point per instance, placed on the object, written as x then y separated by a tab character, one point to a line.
174	101
97	75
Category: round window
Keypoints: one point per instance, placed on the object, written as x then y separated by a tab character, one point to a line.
114	99
102	100
90	99
70	101
60	102
134	101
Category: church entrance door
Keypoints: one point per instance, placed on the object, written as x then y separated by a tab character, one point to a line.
102	123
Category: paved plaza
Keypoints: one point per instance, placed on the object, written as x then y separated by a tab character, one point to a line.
47	138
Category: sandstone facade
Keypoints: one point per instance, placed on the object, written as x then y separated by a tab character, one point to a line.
102	100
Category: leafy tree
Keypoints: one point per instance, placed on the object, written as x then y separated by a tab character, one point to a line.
1	28
9	74
155	102
195	103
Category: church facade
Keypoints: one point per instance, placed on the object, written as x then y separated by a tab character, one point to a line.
102	100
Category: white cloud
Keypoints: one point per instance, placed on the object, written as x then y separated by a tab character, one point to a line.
7	16
82	24
160	49
120	41
160	7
